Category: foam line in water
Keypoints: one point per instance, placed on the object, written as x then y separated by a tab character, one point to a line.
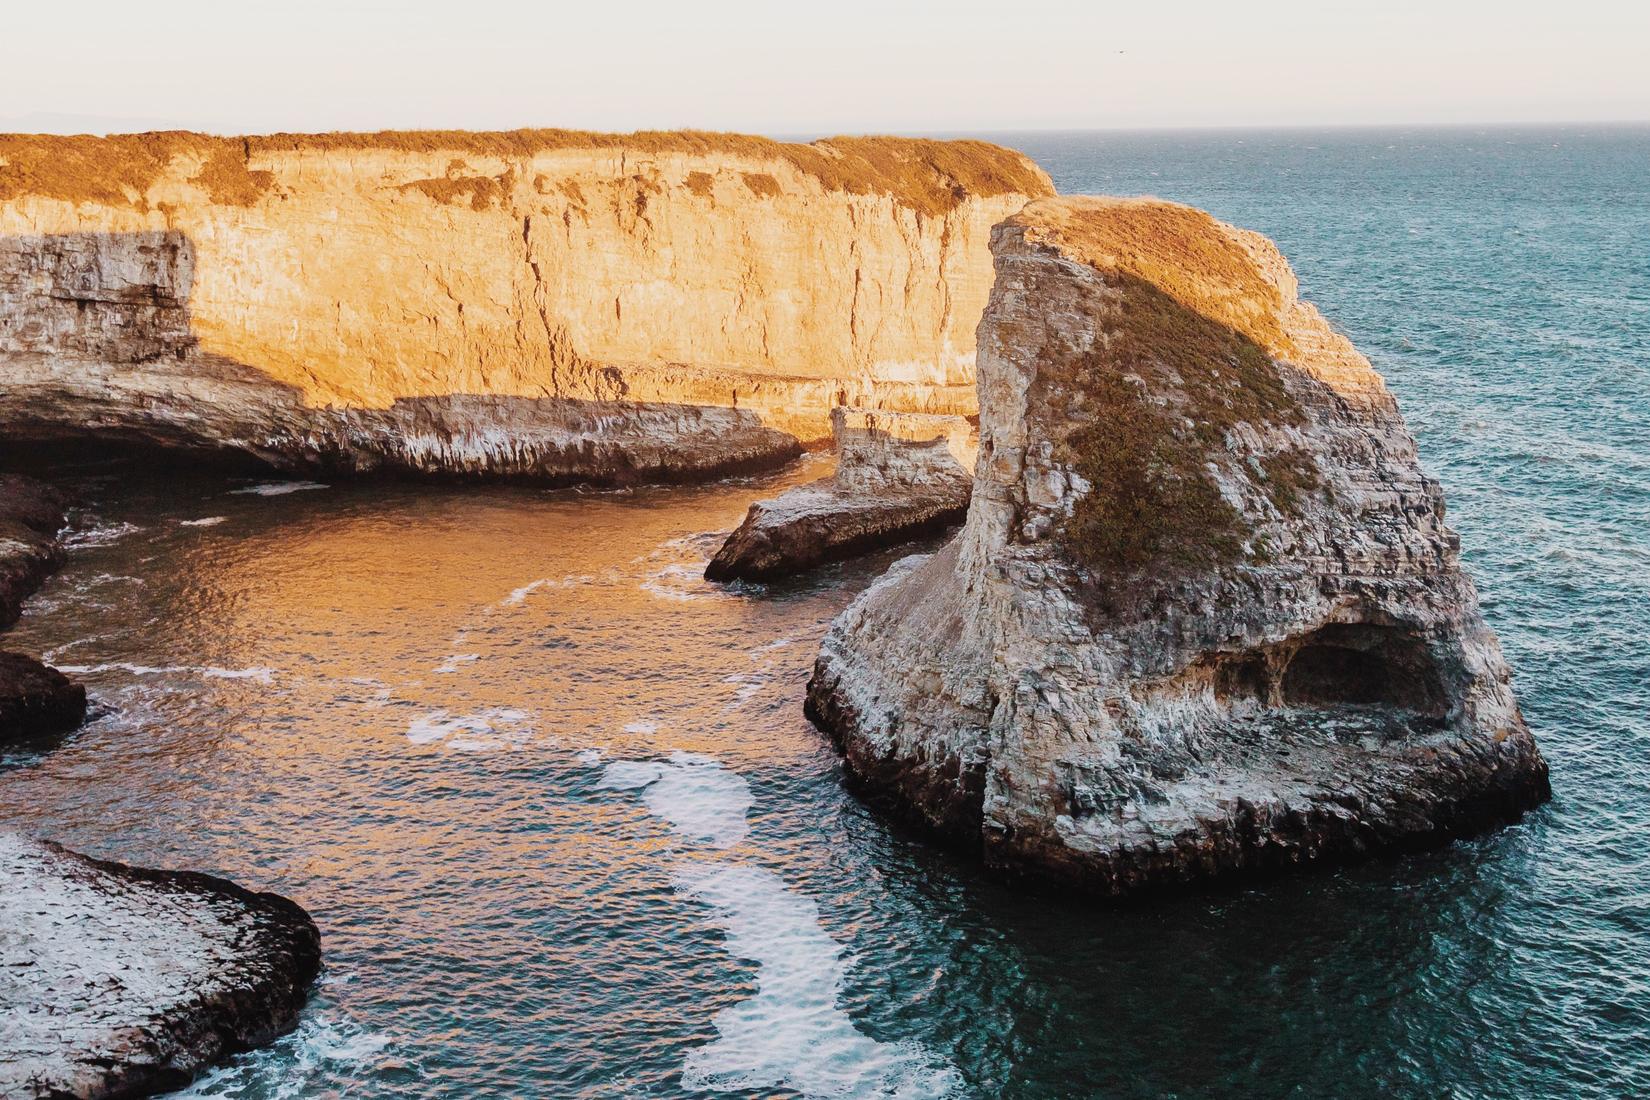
99	535
205	521
493	728
793	1034
325	1047
259	673
520	595
701	799
279	488
454	662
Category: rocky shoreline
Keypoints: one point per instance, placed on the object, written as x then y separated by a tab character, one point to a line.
1205	620
37	702
114	980
120	981
31	515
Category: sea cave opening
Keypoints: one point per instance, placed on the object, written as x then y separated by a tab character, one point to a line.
1362	664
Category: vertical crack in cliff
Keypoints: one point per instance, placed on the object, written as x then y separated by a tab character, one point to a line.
944	280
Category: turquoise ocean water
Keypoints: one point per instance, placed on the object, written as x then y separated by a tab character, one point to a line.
553	802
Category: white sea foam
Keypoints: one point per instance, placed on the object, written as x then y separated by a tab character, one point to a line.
700	798
750	685
258	673
641	726
100	535
493	728
589	757
792	1033
101	579
679	582
454	662
207	521
324	1045
520	595
777	643
278	488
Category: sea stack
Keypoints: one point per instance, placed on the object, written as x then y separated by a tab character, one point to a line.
120	981
1205	619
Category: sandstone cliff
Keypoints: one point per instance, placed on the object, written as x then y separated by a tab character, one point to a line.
1204	617
543	302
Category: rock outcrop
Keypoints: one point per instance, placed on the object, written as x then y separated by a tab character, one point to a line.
119	981
1204	619
37	702
31	515
899	476
563	305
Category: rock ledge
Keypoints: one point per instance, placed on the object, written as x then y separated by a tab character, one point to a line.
899	477
119	981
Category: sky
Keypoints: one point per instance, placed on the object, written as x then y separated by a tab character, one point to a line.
831	66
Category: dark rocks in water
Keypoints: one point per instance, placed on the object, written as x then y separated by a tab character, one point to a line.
118	981
31	515
900	476
1205	620
36	701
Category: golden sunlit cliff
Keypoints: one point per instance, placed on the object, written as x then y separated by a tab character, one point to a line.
547	302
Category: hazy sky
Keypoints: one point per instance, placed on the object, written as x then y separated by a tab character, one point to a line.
825	66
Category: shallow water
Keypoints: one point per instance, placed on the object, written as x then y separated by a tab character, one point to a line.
553	803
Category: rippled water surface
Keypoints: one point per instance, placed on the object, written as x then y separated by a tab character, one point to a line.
553	803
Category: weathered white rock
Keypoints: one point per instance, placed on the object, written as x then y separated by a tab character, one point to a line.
118	981
1204	619
899	476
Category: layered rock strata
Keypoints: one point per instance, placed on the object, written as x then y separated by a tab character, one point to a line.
119	981
899	476
1205	618
566	305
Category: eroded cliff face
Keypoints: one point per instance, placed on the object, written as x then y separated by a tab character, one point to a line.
539	301
1204	618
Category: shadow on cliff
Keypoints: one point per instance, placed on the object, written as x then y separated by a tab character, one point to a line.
99	353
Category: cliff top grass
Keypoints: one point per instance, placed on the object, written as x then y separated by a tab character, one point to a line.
1187	354
929	176
110	170
1182	251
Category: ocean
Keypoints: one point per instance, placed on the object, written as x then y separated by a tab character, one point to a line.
553	803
